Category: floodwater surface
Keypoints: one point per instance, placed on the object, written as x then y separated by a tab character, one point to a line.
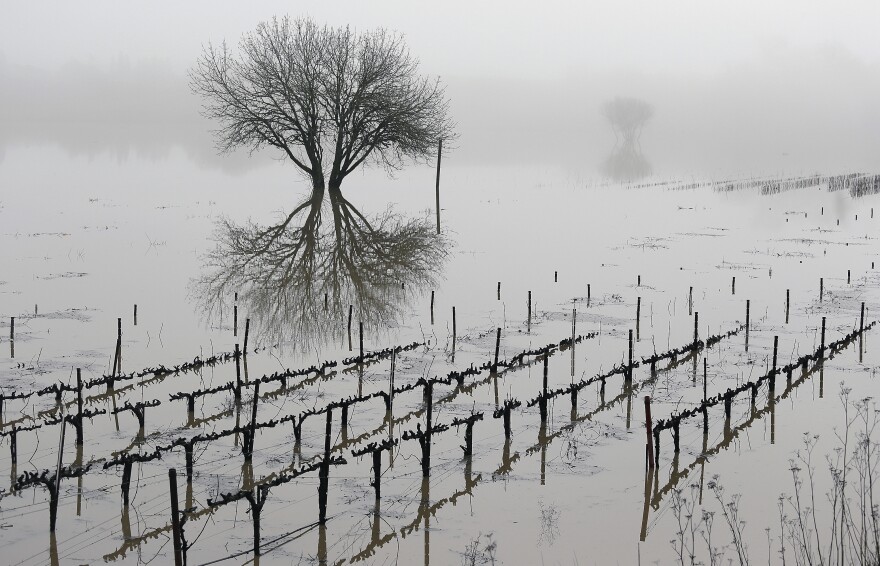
525	250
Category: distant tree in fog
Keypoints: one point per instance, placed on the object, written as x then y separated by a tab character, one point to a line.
627	117
331	99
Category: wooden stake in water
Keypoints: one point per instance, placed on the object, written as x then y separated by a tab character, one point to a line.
439	156
638	317
453	330
733	286
588	293
696	328
135	315
822	347
361	340
748	308
529	318
79	407
862	319
235	320
543	403
247	330
350	308
787	303
237	392
691	301
821	288
847	276
629	368
639	281
324	472
175	517
556	277
649	431
12	329
573	338
498	345
58	467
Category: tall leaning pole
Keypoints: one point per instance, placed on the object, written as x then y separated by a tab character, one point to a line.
439	156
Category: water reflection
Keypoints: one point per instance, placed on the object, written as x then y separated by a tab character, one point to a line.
627	117
300	279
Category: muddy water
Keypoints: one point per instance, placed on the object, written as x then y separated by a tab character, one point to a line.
85	239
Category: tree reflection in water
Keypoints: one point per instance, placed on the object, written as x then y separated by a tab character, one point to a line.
295	280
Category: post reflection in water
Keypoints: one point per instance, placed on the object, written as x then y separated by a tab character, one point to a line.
297	279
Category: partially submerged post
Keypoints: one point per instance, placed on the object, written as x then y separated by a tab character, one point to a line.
822	346
638	316
350	308
529	316
787	303
748	308
453	331
696	328
324	472
821	288
432	308
498	343
175	516
648	429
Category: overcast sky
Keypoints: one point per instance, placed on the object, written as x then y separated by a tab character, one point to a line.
796	79
509	38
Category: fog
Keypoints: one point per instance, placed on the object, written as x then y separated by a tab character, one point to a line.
756	89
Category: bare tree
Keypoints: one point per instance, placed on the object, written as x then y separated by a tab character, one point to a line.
331	99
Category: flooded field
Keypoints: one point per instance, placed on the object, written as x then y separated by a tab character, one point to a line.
429	383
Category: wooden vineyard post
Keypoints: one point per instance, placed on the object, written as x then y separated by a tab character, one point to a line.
498	344
629	367
748	308
499	291
821	288
862	319
573	338
822	346
733	285
787	303
696	328
705	413
432	308
247	330
772	383
361	341
691	301
350	308
175	516
235	320
377	472
847	276
324	472
453	331
588	294
439	156
529	315
237	392
542	404
135	314
638	317
79	407
649	432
